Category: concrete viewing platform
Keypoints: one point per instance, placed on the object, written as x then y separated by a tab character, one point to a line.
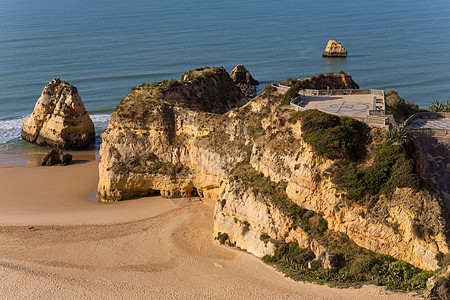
343	105
366	105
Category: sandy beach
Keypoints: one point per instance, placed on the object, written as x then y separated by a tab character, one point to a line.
56	242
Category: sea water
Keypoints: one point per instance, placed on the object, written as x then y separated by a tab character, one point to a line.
105	47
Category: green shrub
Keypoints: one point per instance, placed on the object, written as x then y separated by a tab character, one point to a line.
291	253
364	265
222	237
269	88
403	175
398	133
323	225
293	92
398	106
369	267
391	169
331	136
438	106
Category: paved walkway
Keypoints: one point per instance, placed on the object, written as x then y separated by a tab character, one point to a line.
344	105
441	123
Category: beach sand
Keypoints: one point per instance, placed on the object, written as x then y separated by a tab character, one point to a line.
57	244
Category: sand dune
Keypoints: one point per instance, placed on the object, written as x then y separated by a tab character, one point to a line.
55	244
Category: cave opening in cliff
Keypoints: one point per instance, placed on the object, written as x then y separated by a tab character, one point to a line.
195	192
154	193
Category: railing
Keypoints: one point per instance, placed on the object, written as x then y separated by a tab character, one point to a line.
372	121
281	88
429	131
423	115
377	112
343	92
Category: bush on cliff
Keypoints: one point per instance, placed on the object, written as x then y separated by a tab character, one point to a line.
293	92
331	136
357	266
398	106
390	169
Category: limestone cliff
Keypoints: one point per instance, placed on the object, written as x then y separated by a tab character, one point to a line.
334	49
270	185
59	119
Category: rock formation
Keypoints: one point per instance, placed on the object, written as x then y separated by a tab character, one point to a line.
334	49
55	157
340	80
438	286
174	136
244	80
241	75
59	119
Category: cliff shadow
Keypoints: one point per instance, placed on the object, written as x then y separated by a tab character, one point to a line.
435	164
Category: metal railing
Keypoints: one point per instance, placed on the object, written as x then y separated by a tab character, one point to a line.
429	131
281	88
343	92
424	115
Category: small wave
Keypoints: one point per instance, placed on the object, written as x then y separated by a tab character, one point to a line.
10	129
100	121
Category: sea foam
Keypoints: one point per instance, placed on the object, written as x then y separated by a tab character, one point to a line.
10	128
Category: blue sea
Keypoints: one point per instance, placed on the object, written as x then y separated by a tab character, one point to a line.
105	47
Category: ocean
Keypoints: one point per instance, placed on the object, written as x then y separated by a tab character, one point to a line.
105	47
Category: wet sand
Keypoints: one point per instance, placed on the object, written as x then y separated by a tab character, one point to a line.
56	244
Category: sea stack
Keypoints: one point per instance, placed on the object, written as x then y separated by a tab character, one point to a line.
59	119
241	75
334	49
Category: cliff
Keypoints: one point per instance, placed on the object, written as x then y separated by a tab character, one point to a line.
272	184
59	119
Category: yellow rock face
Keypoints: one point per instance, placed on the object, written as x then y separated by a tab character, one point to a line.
59	119
334	49
157	146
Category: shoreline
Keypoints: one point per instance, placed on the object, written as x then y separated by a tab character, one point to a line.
55	243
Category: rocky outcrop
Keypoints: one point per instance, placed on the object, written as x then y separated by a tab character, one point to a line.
438	286
240	75
244	80
55	157
340	80
59	119
166	137
334	49
155	136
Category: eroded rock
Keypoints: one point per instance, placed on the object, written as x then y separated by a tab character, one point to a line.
154	144
55	157
59	119
334	49
240	75
438	286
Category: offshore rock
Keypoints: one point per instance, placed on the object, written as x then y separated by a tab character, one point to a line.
59	119
334	49
55	157
241	75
